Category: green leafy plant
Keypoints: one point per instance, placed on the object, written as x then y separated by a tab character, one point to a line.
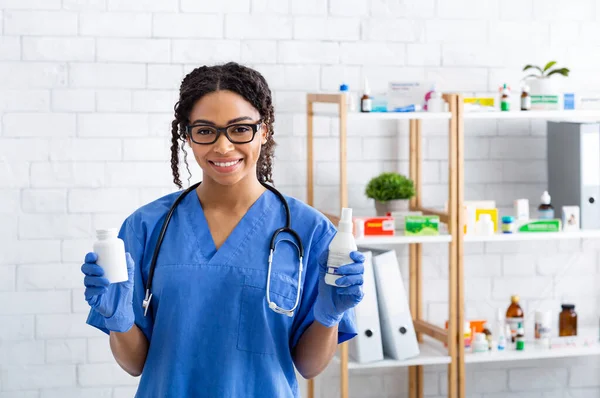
390	186
547	71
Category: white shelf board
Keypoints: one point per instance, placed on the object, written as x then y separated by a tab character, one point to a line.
402	240
431	353
534	351
390	115
555	115
531	236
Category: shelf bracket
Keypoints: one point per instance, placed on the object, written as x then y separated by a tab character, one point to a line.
431	330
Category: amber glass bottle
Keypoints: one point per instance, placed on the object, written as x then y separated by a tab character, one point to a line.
514	316
567	321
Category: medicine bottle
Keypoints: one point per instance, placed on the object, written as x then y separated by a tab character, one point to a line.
546	210
340	247
505	99
350	103
520	338
543	328
508	225
525	99
514	317
111	255
567	321
488	335
480	343
484	226
366	102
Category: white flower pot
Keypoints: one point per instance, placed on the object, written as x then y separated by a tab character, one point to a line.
544	86
400	205
545	93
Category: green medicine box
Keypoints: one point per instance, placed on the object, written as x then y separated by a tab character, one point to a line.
541	226
421	225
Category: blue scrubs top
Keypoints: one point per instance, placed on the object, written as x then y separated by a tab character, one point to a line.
210	329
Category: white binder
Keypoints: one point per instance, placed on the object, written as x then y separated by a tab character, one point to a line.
397	328
367	346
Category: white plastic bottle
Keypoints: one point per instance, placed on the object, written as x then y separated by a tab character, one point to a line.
340	247
350	101
484	226
111	255
436	103
480	344
501	330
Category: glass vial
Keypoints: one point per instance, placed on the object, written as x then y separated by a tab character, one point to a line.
567	321
525	99
366	102
514	317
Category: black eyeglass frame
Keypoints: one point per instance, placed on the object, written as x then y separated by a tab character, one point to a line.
223	130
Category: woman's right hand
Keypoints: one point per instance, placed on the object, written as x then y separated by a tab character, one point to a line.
114	301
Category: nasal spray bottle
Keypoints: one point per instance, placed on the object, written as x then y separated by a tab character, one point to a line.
340	247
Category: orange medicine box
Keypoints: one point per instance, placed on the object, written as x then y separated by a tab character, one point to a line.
374	226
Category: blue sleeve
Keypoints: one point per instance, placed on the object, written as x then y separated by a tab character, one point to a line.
135	247
305	316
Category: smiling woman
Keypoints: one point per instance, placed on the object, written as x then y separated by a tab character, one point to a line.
210	308
231	160
244	92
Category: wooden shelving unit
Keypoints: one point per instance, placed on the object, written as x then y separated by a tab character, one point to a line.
531	351
431	337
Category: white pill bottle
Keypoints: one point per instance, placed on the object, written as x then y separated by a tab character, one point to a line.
340	247
111	255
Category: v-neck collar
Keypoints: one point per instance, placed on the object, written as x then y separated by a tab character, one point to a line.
248	226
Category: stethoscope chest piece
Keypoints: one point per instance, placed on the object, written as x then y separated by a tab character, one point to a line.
146	302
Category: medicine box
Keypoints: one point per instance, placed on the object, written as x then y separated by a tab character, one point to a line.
375	226
421	225
570	218
399	218
545	102
540	226
404	93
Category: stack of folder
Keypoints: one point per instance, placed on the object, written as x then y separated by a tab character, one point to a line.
385	324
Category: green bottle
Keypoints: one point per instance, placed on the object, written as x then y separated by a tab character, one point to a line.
520	337
505	100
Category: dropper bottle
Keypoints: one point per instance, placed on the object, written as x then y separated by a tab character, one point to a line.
366	102
340	247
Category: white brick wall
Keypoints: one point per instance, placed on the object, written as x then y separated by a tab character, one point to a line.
87	89
40	23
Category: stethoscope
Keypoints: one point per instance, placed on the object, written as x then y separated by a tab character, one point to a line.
287	228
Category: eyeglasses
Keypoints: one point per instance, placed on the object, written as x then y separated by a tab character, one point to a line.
239	133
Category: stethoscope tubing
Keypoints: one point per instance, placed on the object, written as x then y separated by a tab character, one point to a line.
272	244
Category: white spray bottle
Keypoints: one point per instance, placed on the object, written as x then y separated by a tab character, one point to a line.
340	247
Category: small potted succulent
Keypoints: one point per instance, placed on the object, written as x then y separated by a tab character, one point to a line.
391	192
540	82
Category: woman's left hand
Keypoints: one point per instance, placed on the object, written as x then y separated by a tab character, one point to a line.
333	301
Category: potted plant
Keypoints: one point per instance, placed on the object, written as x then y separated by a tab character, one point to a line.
391	192
540	82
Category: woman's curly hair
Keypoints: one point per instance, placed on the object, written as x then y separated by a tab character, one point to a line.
231	76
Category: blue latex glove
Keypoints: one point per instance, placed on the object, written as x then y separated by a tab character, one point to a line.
333	301
114	301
